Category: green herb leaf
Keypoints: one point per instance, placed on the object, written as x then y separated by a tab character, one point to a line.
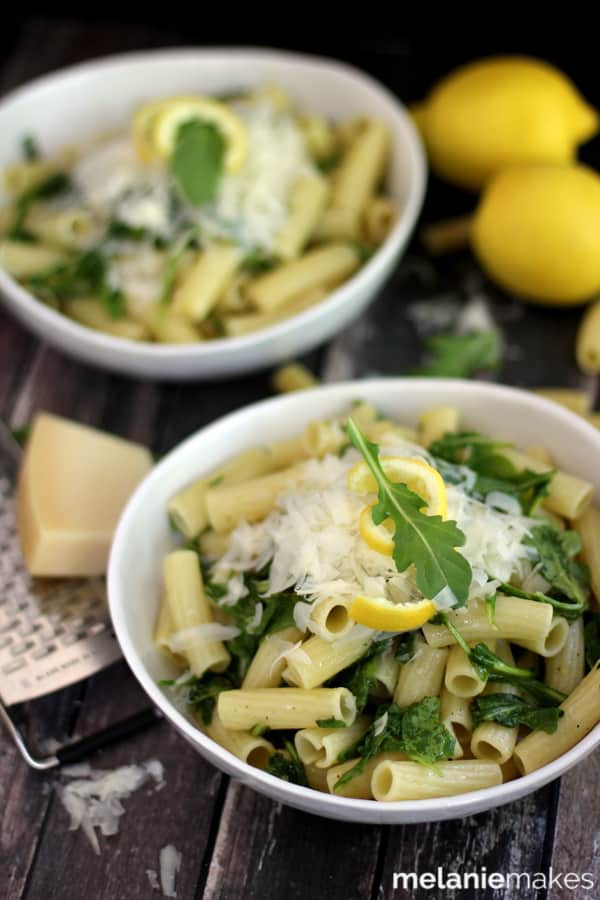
424	738
29	148
488	665
277	614
258	730
555	551
563	607
197	161
512	710
592	639
55	184
287	765
202	692
258	261
470	450
490	602
405	649
461	355
21	434
415	730
360	678
428	542
84	275
121	231
329	163
331	723
173	262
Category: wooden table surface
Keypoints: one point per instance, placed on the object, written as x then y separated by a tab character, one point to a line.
234	842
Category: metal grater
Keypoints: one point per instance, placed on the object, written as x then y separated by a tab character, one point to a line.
53	632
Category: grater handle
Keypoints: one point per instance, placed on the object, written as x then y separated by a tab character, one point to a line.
124	728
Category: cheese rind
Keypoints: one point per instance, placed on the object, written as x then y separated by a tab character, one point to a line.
73	486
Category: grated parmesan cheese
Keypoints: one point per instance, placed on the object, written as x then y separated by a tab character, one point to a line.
313	542
93	798
252	205
170	864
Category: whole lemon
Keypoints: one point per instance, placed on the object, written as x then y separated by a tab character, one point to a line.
536	232
496	112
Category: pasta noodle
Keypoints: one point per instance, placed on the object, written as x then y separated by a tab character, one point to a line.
581	712
284	707
587	347
189	607
293	377
393	781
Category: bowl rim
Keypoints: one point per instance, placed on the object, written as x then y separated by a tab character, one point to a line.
330	805
207	350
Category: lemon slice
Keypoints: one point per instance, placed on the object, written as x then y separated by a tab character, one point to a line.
164	123
416	474
378	537
142	128
383	615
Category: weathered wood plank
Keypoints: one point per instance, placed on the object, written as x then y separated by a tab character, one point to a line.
24	800
507	839
264	849
576	846
66	867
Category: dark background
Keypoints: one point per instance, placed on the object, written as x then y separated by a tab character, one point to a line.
407	51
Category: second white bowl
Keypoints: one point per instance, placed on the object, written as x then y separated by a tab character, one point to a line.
77	103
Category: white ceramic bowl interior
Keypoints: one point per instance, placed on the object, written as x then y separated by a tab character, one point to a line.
81	102
143	538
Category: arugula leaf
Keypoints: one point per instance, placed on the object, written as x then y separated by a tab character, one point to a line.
494	471
405	649
85	274
511	710
592	640
331	723
202	692
277	614
490	602
555	550
173	262
364	251
360	678
460	355
121	231
424	738
565	608
50	187
258	730
258	261
489	666
329	163
415	730
21	434
30	148
287	765
428	542
197	161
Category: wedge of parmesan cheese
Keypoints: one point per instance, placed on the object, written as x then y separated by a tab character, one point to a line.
73	485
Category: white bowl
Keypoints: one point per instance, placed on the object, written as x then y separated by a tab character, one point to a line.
85	100
143	538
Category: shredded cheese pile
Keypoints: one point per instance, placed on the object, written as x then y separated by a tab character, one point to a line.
313	542
94	797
